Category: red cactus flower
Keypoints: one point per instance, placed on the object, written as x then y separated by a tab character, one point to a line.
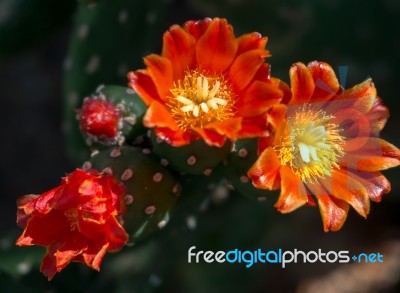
100	119
76	221
325	143
207	84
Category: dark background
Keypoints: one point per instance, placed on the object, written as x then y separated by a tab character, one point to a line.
361	35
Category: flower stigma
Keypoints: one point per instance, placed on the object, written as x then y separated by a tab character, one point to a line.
200	99
312	145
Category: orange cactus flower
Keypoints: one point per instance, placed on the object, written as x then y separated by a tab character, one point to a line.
76	221
207	84
325	143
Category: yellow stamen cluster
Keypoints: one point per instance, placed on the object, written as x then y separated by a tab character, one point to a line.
312	145
199	99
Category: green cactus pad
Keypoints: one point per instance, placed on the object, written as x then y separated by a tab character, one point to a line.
151	189
239	161
195	158
108	39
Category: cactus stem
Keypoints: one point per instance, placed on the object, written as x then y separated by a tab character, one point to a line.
157	177
108	170
164	162
261	198
116	152
207	172
244	179
161	224
243	153
130	120
159	139
191	160
146	151
93	64
123	16
87	165
83	31
176	188
100	88
128	173
150	210
94	153
191	222
138	140
128	199
67	65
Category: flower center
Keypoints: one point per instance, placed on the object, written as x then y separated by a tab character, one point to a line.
72	217
312	145
199	99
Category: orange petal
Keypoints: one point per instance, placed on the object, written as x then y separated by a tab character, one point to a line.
362	90
116	234
326	83
370	154
276	120
211	137
217	47
142	83
250	41
173	137
25	207
179	47
94	255
263	73
265	171
43	230
254	127
245	67
352	122
375	183
333	212
293	192
346	188
302	84
229	128
284	87
258	98
158	116
68	253
197	27
61	253
160	71
377	116
361	97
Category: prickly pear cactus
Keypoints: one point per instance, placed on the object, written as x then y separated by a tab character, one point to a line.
195	158
103	47
235	167
151	188
111	116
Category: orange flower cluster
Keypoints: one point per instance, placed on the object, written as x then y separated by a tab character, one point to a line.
316	139
318	143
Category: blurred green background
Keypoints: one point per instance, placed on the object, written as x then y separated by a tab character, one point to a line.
37	40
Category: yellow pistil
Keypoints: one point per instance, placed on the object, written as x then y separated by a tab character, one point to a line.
312	145
199	99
